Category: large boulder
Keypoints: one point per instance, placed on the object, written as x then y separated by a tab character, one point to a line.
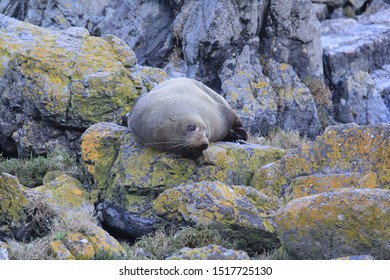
333	194
342	149
55	84
241	214
137	174
200	40
337	224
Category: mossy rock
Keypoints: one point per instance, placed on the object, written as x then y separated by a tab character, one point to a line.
99	245
12	203
337	223
241	214
65	192
342	149
210	252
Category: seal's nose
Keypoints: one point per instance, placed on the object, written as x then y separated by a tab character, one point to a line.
203	146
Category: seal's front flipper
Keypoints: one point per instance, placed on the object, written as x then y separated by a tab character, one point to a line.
238	134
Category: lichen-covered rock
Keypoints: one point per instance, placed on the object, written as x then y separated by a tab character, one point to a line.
55	84
12	202
240	213
359	257
337	223
315	184
65	192
99	148
139	174
210	252
99	245
292	35
342	149
296	108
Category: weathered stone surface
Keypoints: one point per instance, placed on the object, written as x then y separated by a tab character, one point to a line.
292	36
139	174
381	77
341	149
358	100
55	84
296	107
3	251
65	193
86	247
12	202
336	224
351	46
315	184
240	213
210	252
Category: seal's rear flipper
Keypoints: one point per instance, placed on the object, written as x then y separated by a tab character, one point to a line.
236	134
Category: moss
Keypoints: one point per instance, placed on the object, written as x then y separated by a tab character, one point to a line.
356	219
105	246
12	199
79	246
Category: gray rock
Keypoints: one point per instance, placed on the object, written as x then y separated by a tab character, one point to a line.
250	92
381	78
334	224
3	252
296	107
321	11
210	252
55	84
241	214
292	35
358	100
351	46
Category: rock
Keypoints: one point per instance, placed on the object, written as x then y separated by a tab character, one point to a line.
381	77
86	247
55	84
292	35
250	92
3	251
12	202
342	149
264	103
65	193
359	257
357	100
350	46
336	224
321	10
315	184
139	174
210	252
241	214
99	148
296	107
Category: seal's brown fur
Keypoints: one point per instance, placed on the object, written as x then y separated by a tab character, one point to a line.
182	116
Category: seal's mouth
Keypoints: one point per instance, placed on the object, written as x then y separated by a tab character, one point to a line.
195	147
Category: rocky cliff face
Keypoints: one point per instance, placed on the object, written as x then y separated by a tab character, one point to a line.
70	71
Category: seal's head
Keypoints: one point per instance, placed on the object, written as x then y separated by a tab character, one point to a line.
185	136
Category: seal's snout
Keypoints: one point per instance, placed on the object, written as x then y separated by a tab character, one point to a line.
203	146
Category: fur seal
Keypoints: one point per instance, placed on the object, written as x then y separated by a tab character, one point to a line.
183	116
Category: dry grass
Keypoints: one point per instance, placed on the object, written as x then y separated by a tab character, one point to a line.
163	243
279	138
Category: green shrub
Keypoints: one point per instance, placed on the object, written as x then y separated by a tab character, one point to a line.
31	171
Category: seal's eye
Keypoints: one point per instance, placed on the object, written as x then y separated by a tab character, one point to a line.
191	127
